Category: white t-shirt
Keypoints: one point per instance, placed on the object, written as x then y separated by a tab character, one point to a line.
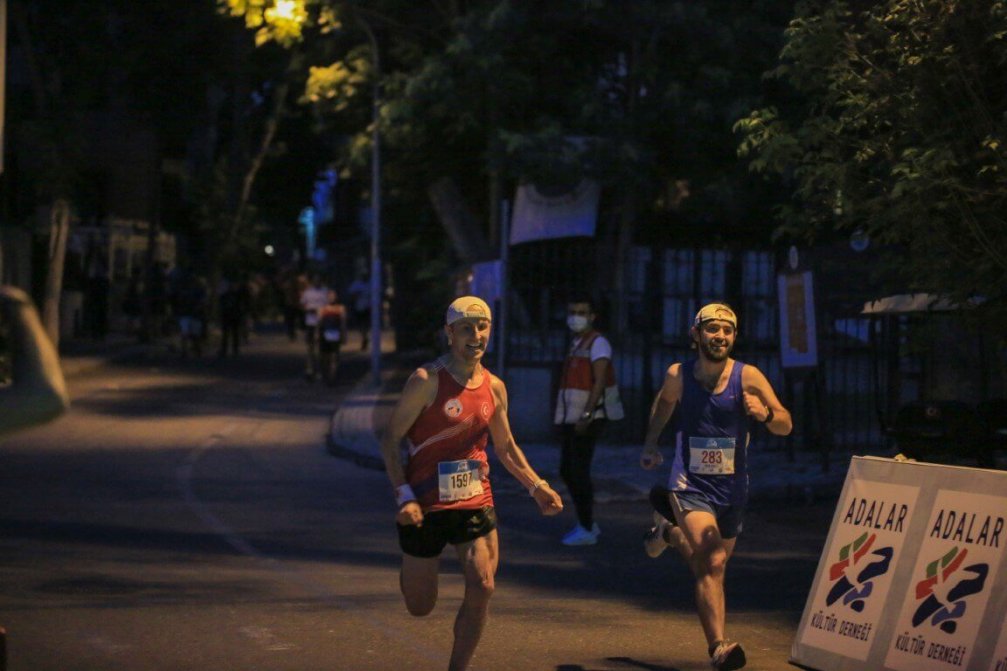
600	348
313	299
571	403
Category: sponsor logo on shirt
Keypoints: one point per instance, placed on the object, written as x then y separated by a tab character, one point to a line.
453	408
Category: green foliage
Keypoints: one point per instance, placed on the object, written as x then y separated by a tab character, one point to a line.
639	95
899	134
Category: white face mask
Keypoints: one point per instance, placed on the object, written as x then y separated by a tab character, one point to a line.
577	323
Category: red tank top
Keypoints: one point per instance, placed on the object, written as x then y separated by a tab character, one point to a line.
447	446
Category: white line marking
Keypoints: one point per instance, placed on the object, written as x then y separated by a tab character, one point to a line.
184	478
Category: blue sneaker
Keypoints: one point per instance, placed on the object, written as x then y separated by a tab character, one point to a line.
581	536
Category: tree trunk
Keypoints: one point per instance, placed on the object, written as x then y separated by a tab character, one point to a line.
59	231
461	225
624	244
150	317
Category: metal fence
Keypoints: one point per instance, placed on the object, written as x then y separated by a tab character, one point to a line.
834	406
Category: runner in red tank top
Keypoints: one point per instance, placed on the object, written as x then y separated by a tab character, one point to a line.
453	429
448	410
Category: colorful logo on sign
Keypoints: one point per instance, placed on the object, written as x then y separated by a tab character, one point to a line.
945	576
854	559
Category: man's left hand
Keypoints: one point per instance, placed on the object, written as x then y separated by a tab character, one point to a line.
754	407
549	502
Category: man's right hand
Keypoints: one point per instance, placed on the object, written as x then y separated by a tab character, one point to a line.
410	513
651	457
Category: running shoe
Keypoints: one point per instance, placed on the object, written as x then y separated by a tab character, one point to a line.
580	536
658	539
659	502
727	656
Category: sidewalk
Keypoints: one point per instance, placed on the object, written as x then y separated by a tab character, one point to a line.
355	428
78	356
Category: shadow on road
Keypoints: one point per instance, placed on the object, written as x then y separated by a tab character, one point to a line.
624	662
207	387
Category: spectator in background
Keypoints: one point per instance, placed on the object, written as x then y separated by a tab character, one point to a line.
190	308
313	299
588	397
156	295
293	285
131	301
331	331
96	291
232	307
253	295
360	302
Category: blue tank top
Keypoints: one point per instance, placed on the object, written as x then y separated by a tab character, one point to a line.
709	428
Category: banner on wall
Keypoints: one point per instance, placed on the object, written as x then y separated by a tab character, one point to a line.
540	214
912	574
798	336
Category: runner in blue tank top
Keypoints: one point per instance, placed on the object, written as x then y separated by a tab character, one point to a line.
717	399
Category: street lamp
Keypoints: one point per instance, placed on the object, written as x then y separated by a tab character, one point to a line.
376	274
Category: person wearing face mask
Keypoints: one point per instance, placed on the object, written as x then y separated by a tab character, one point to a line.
713	404
588	397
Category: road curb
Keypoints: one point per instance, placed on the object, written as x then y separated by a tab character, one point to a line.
351	434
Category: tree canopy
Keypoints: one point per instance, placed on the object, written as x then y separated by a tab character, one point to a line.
898	133
640	95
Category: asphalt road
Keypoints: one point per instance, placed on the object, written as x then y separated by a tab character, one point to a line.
185	515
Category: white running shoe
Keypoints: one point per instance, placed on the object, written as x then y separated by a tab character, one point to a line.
580	536
657	540
727	656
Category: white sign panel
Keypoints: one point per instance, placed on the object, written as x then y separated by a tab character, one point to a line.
864	547
538	215
999	661
951	583
913	575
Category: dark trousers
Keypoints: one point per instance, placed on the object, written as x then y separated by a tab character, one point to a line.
291	319
229	331
575	468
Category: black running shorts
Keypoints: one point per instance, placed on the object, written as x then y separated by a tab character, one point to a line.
445	526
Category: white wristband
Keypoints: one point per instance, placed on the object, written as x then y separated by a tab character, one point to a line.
538	483
403	495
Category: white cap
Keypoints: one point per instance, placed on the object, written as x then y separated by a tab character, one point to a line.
467	307
716	311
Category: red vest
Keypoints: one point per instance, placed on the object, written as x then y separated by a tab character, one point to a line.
577	371
452	428
576	383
